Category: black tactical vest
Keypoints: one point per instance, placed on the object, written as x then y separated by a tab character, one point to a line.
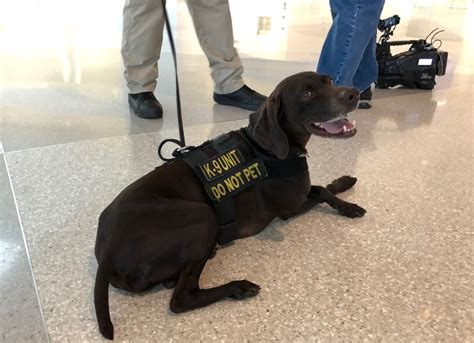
233	168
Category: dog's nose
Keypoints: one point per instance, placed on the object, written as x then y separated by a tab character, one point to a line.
349	95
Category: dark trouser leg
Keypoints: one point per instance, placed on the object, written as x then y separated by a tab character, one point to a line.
353	29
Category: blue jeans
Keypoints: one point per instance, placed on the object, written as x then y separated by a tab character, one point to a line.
348	53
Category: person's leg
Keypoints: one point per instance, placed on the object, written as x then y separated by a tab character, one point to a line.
142	36
367	71
366	74
354	25
213	25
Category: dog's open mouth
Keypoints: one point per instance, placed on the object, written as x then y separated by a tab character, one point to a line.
339	127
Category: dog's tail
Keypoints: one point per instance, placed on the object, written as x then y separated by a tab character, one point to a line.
101	297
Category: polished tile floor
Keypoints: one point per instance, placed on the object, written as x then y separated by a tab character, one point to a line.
69	144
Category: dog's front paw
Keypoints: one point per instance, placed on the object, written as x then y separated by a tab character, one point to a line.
351	211
243	289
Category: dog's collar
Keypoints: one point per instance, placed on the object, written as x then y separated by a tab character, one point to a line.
259	151
295	163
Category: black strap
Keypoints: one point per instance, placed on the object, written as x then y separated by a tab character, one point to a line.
225	209
181	142
226	215
227	221
193	159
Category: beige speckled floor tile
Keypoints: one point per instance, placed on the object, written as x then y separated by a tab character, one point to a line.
19	303
402	273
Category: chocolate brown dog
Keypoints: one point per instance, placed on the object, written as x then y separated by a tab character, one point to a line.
163	227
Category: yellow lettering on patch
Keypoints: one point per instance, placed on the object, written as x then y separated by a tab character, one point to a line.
247	173
255	165
221	189
229	160
217	167
229	184
215	192
223	163
252	171
234	155
207	169
239	175
235	181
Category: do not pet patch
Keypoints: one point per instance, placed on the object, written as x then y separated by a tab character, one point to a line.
236	181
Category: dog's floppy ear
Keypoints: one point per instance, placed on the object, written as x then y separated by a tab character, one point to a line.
267	130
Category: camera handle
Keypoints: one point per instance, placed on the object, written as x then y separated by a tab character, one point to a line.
402	42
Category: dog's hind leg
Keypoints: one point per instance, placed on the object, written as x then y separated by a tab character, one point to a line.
187	294
341	185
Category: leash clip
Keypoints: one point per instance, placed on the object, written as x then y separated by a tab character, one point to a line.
180	152
176	151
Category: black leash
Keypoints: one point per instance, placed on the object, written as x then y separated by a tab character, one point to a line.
181	142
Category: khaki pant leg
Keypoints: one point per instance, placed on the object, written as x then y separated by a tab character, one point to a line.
213	25
143	23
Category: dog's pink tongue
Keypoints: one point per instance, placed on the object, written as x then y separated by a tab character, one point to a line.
337	126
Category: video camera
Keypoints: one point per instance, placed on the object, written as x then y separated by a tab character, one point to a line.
415	68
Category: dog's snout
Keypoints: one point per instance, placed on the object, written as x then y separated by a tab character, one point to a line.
349	95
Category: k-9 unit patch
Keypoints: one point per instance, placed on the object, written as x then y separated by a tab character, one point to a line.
235	181
221	164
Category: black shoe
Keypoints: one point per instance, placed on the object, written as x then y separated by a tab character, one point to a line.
365	97
145	105
245	98
366	94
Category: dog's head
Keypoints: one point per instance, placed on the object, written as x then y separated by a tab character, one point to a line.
303	104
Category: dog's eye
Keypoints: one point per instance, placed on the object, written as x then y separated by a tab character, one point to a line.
308	94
